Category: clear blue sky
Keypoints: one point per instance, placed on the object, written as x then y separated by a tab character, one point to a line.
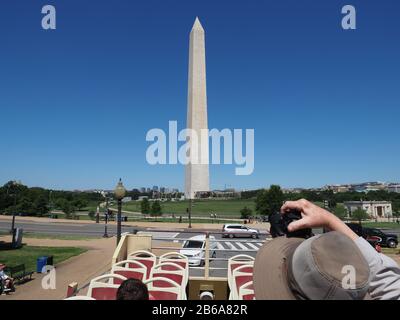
76	103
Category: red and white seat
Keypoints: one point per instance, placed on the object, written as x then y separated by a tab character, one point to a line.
246	291
104	287
177	258
236	262
166	289
129	269
145	257
241	275
172	271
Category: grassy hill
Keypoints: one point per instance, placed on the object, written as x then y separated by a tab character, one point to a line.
223	208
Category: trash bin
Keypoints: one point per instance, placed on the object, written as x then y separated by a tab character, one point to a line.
49	261
40	263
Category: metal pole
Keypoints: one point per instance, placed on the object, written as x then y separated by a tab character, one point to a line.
119	220
105	225
50	207
190	213
13	219
207	257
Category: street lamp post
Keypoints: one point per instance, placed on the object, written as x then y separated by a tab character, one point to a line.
119	195
13	219
15	185
105	235
190	213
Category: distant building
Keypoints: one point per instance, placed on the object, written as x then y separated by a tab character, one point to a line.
394	188
292	190
155	188
338	188
126	199
375	209
221	194
369	186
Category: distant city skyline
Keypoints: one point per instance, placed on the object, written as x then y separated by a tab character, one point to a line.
76	102
168	189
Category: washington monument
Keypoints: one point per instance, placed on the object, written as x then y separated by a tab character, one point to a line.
196	175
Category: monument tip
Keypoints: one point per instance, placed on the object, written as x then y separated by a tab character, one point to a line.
197	25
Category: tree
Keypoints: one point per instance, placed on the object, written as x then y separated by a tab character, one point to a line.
245	213
269	201
80	204
329	199
396	207
41	205
66	207
156	210
359	215
340	211
25	206
145	206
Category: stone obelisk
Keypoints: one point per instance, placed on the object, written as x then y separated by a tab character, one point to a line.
196	175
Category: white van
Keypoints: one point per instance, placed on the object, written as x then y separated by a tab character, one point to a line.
193	248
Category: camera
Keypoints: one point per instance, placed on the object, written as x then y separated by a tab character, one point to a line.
280	222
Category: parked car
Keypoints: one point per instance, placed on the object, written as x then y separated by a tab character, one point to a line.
388	240
239	230
357	228
193	249
375	236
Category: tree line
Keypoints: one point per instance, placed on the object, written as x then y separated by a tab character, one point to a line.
20	199
270	200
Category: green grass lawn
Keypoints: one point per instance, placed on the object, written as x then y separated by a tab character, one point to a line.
28	255
35	235
391	250
223	208
379	225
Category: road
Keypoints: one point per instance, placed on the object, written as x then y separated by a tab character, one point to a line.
56	228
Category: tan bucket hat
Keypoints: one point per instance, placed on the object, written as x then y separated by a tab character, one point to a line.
298	269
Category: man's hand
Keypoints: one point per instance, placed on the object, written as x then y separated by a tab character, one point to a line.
315	217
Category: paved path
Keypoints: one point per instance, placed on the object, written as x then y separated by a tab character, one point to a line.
81	269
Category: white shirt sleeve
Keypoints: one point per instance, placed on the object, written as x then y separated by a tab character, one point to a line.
385	273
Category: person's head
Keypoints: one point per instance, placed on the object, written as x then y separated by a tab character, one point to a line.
132	289
324	267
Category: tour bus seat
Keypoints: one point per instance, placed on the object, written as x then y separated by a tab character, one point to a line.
169	291
103	287
246	291
241	276
145	257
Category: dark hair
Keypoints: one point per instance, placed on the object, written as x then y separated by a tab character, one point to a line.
132	289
